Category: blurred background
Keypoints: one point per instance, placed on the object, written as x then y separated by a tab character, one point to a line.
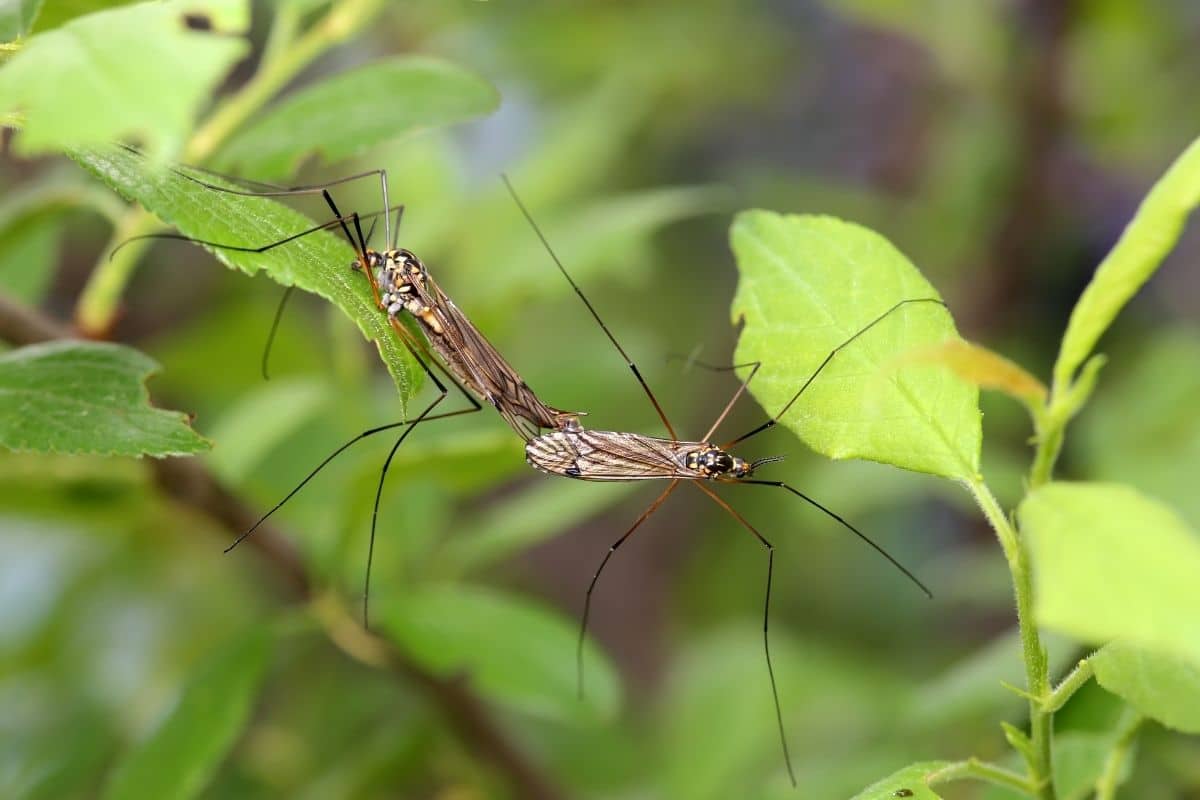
1000	144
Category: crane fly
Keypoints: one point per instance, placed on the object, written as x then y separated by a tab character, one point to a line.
596	455
401	283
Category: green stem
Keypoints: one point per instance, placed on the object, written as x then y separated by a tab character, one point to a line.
1070	684
974	769
1050	421
1037	671
342	22
1110	777
101	297
1049	445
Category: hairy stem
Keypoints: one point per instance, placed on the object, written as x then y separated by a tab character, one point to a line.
1049	445
1070	684
1037	670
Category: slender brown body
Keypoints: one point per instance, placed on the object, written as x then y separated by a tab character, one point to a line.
617	456
404	284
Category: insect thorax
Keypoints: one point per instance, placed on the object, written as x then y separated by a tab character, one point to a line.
714	463
401	278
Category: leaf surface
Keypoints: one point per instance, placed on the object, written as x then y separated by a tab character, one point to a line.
1149	236
179	758
86	397
358	109
511	650
137	70
318	263
1162	686
810	283
1110	563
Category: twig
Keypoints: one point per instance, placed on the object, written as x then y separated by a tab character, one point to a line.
188	482
21	325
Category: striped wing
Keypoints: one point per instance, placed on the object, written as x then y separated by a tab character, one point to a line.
608	456
481	366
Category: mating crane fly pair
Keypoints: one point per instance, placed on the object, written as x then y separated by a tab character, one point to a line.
556	442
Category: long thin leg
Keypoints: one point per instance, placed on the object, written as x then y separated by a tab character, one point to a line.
413	347
848	527
383	474
587	598
690	361
754	367
333	223
283	301
273	190
475	406
595	315
787	757
766	618
324	462
322	189
771	422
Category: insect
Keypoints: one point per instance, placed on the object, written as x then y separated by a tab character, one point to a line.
596	455
400	282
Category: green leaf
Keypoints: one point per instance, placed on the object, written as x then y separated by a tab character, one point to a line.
591	237
17	18
60	12
1149	439
86	397
181	755
29	223
1079	758
1110	563
720	729
910	779
137	70
510	650
531	517
259	422
1150	235
27	257
810	283
1161	686
985	368
348	113
318	263
972	688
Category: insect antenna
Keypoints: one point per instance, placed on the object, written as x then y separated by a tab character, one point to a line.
770	423
595	315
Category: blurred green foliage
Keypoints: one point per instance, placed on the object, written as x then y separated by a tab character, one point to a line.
1001	146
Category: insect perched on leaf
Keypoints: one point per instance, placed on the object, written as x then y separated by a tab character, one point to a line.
400	283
